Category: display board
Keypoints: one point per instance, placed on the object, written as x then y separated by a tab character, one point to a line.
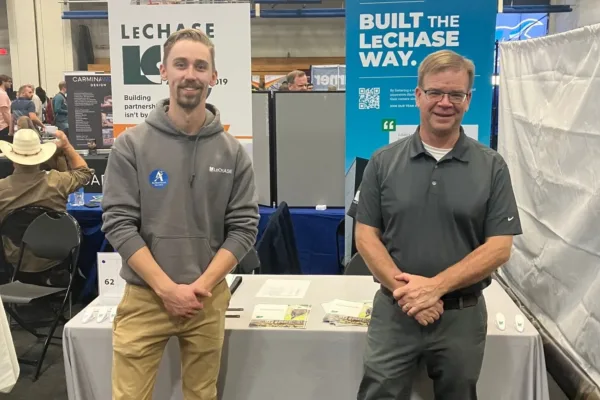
385	43
89	101
310	154
137	34
325	76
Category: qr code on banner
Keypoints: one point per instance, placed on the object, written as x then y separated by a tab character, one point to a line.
368	98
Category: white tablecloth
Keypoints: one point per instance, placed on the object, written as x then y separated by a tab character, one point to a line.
321	362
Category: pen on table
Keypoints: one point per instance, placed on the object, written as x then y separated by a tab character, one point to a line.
233	316
235	309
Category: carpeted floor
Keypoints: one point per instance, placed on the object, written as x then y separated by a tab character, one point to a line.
51	384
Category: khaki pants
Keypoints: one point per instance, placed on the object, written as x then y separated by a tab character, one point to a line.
141	330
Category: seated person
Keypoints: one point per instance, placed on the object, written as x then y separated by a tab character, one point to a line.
30	186
57	161
25	123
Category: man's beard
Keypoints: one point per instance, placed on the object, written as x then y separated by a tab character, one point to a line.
190	103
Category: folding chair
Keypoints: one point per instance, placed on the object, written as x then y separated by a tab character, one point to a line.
13	228
54	236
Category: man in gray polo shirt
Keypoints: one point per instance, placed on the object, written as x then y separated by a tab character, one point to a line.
436	216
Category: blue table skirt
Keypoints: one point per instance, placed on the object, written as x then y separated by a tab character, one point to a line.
315	233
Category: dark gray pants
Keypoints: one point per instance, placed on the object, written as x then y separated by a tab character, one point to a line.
452	349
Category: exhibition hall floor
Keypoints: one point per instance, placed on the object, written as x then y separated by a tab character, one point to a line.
51	384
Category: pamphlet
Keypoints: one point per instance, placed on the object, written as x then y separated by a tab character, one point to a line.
346	313
280	316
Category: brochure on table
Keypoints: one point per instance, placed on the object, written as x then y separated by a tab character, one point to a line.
280	316
348	313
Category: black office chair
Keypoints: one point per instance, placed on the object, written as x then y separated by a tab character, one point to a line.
250	264
54	236
340	233
357	266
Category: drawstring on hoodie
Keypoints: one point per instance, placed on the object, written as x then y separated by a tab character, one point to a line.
193	171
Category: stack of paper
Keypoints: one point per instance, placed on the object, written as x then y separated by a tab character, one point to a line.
284	288
280	316
347	313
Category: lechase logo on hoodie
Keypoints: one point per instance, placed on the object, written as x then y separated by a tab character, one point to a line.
158	179
220	170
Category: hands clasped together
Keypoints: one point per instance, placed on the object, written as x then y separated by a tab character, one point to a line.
185	300
419	297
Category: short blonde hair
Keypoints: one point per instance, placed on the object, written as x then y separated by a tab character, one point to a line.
195	35
22	89
444	60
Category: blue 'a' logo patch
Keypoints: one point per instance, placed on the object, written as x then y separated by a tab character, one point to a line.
158	179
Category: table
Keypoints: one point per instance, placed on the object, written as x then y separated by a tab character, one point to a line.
321	362
315	233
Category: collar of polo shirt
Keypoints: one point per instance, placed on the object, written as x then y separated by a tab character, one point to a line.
459	151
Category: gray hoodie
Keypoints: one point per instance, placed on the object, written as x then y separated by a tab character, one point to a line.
183	196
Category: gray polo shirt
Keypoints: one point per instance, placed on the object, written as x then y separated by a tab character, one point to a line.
432	214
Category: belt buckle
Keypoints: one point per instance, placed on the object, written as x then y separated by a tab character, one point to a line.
461	304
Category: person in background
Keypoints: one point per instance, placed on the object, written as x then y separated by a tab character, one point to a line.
12	95
433	247
284	87
6	125
297	81
175	259
41	93
30	186
24	106
25	123
39	104
57	161
310	87
61	112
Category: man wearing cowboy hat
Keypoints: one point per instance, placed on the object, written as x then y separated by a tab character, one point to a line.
30	186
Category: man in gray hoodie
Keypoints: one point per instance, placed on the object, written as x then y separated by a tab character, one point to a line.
180	206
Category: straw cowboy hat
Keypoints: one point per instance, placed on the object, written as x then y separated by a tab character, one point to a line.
26	148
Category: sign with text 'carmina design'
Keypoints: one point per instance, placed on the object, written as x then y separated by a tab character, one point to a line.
137	35
90	110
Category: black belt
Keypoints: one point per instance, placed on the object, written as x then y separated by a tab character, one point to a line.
450	303
458	303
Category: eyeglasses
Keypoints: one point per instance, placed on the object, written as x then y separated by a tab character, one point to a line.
437	95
